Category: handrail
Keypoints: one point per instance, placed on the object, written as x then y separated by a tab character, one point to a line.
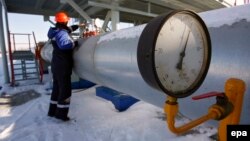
39	58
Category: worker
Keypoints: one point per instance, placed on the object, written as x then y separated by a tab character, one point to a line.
61	65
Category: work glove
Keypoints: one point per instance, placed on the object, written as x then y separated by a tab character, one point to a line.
76	43
82	25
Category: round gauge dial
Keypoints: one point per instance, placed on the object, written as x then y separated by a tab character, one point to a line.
174	53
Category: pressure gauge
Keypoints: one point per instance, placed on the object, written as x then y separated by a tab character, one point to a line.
174	53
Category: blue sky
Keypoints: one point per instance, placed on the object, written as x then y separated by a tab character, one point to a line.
23	23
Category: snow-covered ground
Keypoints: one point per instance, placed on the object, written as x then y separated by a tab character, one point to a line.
93	119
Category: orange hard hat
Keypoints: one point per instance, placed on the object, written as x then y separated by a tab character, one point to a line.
61	17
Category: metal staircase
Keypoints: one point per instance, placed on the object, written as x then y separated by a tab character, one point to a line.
23	61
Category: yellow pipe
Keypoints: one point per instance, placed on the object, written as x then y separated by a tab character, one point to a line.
234	89
171	110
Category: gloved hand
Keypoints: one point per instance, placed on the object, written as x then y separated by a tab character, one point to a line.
76	43
82	25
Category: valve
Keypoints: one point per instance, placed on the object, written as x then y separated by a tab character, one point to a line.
227	108
207	95
221	100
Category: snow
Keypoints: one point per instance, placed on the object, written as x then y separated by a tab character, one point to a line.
93	119
228	15
123	33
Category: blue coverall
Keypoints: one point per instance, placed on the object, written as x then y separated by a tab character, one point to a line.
61	66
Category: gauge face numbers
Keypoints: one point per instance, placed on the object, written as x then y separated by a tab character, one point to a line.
181	53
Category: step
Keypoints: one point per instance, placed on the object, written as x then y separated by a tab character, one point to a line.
23	54
31	78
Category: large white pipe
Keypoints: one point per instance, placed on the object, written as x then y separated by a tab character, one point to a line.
111	60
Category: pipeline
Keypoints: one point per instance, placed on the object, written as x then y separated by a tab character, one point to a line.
111	60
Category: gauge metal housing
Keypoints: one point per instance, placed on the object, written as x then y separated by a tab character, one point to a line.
146	54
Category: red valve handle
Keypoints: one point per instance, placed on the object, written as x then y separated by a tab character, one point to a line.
207	95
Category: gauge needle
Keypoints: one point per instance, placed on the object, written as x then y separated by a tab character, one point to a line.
182	54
